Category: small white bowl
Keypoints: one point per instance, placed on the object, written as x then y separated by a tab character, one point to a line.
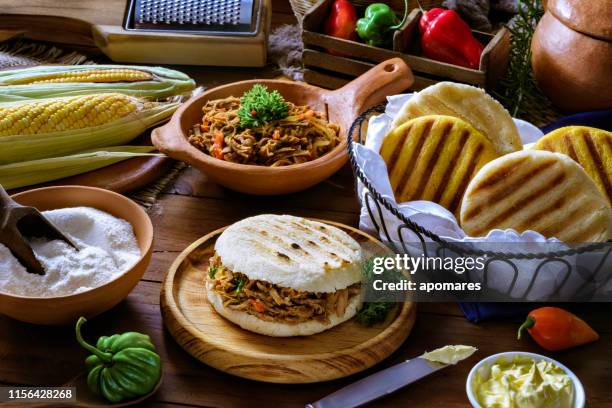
579	396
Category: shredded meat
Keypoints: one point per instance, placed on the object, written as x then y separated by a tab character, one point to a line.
275	303
302	136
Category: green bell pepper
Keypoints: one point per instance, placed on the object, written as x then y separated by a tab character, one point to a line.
122	366
378	24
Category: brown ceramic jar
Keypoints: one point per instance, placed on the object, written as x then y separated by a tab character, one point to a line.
572	54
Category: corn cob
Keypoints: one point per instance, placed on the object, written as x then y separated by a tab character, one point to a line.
48	81
31	172
43	128
50	115
95	75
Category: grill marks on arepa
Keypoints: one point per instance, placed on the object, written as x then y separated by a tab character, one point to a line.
500	190
434	158
539	191
314	244
470	104
589	147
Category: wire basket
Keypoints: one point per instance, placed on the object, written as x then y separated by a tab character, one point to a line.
581	272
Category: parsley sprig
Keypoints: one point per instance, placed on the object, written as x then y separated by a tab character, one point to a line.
239	282
259	106
374	312
377	311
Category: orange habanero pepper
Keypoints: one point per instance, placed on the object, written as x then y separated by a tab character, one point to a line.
557	329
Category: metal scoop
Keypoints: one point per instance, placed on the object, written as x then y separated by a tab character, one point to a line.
18	222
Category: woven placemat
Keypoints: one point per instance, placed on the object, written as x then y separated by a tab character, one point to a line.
22	53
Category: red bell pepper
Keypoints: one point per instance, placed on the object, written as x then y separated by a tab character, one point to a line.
446	37
342	20
557	329
428	17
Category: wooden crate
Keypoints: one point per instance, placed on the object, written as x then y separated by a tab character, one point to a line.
332	71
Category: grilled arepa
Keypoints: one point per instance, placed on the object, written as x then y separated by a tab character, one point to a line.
540	191
590	147
469	103
433	158
281	275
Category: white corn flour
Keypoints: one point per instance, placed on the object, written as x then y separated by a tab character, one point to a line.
107	248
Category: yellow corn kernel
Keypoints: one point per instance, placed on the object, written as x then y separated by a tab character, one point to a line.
89	75
69	113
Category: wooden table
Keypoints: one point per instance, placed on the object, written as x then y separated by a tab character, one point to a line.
194	206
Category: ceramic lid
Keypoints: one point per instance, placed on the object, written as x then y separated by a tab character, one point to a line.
593	18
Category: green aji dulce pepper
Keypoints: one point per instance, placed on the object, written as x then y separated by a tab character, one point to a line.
378	24
122	366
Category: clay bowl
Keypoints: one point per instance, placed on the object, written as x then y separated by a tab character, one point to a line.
64	310
342	107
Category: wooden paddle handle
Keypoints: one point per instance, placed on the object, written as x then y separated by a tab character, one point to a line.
390	77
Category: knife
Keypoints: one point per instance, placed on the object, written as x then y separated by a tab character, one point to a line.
379	384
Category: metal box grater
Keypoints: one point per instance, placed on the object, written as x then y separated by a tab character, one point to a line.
195	32
213	17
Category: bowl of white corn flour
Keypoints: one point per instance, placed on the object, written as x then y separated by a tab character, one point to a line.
114	239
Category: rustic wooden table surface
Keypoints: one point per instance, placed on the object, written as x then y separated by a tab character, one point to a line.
194	206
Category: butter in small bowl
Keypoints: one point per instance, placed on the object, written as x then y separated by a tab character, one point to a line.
523	380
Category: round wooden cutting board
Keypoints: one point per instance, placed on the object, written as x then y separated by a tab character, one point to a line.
343	350
123	177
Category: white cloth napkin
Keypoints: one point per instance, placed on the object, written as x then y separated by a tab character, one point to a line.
435	218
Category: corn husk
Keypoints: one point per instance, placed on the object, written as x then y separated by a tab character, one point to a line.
31	172
163	83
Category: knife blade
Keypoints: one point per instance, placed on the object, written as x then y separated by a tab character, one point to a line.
379	384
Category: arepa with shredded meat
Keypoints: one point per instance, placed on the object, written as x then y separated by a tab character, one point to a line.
281	275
